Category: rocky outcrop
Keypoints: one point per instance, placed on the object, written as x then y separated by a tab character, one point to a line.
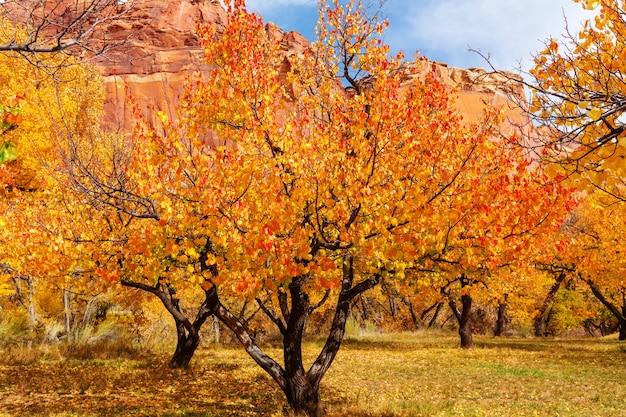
163	49
477	88
160	49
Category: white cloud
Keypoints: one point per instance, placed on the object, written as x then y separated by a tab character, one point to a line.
509	30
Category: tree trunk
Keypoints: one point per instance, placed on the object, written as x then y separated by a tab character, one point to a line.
620	315
409	304
188	333
216	329
436	307
67	310
622	323
433	319
300	387
539	325
303	397
501	321
31	302
467	339
463	317
185	347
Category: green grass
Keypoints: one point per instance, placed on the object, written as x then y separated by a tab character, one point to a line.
408	374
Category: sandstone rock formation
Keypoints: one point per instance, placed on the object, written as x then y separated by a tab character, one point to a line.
477	88
163	50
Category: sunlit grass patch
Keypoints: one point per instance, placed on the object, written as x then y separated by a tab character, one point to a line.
415	375
374	375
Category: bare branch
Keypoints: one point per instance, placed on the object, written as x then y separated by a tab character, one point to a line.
35	27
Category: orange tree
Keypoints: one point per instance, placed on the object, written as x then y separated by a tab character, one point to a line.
41	225
578	90
500	212
328	181
593	253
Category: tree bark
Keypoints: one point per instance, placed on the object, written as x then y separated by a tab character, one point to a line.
31	302
622	324
463	317
303	396
67	310
620	314
539	325
501	321
467	339
414	319
186	346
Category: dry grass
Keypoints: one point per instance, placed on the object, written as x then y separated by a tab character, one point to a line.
374	376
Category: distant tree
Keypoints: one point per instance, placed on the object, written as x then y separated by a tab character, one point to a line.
578	103
595	246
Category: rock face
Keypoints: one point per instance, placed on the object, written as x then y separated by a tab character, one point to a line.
163	50
160	50
478	88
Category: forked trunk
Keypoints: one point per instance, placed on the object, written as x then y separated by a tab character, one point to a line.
185	347
301	388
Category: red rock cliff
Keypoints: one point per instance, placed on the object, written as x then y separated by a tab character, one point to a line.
163	49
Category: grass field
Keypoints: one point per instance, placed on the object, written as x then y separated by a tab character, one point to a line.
409	374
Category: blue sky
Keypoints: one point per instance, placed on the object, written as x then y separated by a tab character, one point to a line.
510	31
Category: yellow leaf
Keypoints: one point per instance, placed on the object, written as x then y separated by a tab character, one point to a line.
594	114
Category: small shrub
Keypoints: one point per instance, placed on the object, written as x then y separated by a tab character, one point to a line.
108	339
355	328
14	329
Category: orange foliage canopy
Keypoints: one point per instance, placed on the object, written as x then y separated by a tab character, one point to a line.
327	177
326	162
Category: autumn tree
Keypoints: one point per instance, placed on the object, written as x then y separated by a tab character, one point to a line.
577	92
595	244
10	117
560	273
41	226
330	180
500	211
